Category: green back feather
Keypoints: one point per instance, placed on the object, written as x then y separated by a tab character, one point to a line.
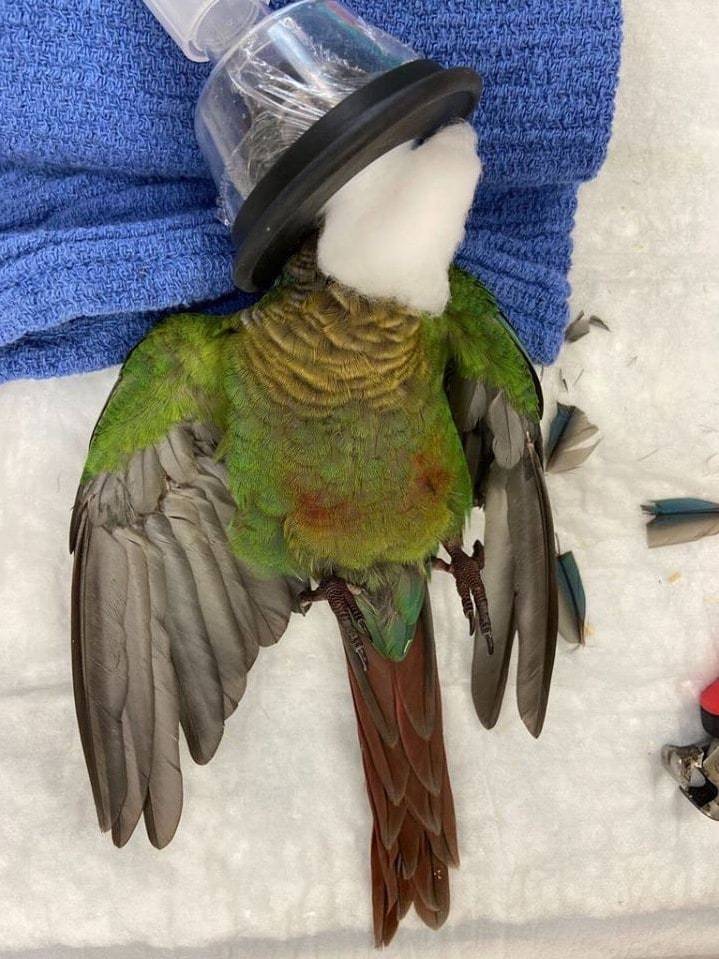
485	347
174	374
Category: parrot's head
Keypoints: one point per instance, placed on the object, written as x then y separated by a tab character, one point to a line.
393	230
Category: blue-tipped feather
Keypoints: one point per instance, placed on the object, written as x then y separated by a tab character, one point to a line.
678	506
680	520
559	424
572	439
572	599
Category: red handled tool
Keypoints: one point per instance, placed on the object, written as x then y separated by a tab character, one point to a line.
696	767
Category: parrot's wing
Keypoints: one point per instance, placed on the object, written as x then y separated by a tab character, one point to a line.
166	621
496	403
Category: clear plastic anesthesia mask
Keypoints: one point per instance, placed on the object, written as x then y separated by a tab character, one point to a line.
299	101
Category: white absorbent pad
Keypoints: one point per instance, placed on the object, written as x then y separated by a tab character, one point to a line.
577	844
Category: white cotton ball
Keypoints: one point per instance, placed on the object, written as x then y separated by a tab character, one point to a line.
392	230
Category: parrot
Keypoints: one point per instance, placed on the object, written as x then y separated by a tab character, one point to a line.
317	446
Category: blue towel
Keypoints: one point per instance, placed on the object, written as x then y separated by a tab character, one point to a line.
107	212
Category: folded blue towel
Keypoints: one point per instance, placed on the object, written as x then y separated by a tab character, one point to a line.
107	212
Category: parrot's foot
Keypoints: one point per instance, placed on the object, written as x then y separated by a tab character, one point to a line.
343	604
468	579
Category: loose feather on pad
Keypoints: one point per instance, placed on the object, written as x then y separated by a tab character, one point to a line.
572	439
680	520
581	326
166	623
572	600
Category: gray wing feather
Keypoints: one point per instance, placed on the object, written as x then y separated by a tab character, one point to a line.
100	665
145	479
503	451
163	805
467	401
489	672
220	623
166	623
507	432
535	584
230	570
201	705
176	455
138	714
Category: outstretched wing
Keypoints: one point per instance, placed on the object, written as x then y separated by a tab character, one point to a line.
496	403
166	620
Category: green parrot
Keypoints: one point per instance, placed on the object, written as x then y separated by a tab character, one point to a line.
317	446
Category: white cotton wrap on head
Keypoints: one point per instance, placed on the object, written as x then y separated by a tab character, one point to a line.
392	230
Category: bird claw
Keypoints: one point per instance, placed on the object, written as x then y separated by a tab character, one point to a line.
466	570
359	650
341	599
305	600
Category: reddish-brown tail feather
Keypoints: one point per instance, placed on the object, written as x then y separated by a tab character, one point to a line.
414	839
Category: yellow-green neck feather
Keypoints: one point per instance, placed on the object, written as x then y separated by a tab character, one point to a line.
333	349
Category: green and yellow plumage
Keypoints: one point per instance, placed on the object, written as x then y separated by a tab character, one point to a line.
340	446
315	435
341	450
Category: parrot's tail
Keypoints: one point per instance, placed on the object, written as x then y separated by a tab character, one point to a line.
399	720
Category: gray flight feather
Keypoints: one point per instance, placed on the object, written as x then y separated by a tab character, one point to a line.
220	624
489	672
503	452
138	715
177	456
100	665
145	478
507	432
201	699
467	401
247	628
166	623
532	534
163	805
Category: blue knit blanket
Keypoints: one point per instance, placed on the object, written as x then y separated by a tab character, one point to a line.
107	212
